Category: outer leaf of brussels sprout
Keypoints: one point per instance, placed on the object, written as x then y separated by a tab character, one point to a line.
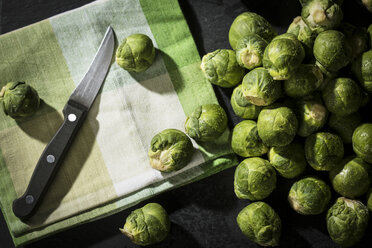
250	50
250	23
254	179
277	126
242	107
344	126
289	161
324	151
245	140
283	56
357	37
321	15
350	178
347	221
305	80
309	196
369	199
331	51
311	115
170	150
260	88
206	122
362	69
260	223
342	96
221	68
19	100
368	4
304	34
369	31
362	142
136	53
147	225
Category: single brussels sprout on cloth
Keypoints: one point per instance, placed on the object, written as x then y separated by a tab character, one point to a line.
331	51
309	196
250	50
344	125
19	100
245	140
221	68
324	151
342	96
260	223
206	123
170	150
321	15
362	142
350	178
304	34
242	107
147	225
289	161
260	88
305	80
283	56
311	115
357	37
250	23
254	179
136	53
347	221
362	69
277	126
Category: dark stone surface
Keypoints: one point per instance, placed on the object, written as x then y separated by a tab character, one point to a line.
203	213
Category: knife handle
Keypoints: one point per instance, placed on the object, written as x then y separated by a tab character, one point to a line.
50	160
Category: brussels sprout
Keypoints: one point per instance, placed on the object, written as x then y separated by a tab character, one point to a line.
250	50
260	88
147	225
260	223
321	15
309	196
19	100
369	199
350	178
324	151
170	150
304	34
242	107
345	125
362	69
331	51
311	115
245	140
136	53
277	126
289	161
347	221
368	4
206	123
342	96
221	68
362	141
305	80
283	56
357	37
339	2
254	179
250	23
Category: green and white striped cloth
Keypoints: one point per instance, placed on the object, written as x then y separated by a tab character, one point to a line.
107	168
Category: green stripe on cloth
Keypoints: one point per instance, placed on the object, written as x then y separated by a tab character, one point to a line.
131	107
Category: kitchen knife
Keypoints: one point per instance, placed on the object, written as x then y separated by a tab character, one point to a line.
74	113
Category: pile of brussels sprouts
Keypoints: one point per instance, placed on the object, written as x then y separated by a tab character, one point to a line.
300	94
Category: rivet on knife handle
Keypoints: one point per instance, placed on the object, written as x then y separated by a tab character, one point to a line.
74	112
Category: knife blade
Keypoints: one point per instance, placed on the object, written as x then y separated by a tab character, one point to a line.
74	113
